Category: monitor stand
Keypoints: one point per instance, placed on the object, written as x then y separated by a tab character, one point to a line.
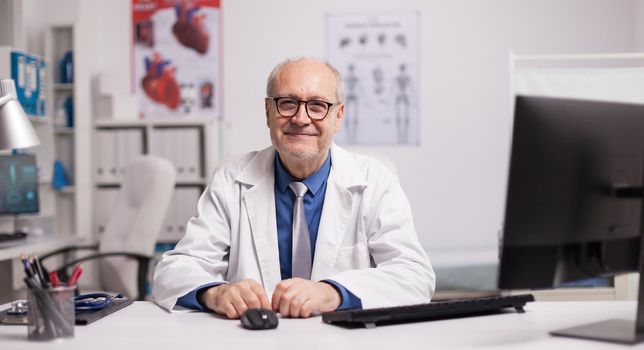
16	234
614	331
9	236
618	331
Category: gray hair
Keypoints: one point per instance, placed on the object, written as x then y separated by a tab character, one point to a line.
270	84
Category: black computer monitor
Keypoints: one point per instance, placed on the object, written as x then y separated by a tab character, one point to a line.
18	184
574	205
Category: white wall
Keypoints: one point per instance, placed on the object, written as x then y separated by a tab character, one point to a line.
456	179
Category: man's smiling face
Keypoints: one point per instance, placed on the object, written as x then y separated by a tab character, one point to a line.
299	137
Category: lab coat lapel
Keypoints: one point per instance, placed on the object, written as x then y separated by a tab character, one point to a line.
259	202
345	177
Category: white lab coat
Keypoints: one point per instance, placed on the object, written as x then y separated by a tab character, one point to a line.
366	239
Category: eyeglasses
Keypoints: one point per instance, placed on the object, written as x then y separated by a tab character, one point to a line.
289	106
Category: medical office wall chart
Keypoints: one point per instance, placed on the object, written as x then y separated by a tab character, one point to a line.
378	56
176	58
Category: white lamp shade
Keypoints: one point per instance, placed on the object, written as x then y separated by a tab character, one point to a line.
16	130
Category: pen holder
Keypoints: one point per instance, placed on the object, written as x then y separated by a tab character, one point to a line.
51	313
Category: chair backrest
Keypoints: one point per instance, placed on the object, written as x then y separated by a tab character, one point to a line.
136	220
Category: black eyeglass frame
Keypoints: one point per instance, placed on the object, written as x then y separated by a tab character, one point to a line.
299	103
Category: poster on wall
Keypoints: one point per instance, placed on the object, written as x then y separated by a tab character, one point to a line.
28	72
176	58
378	57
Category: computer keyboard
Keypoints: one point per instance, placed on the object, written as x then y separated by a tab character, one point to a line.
4	237
424	312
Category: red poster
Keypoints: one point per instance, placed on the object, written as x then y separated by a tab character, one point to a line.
176	58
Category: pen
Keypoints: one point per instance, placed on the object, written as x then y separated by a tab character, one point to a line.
75	275
43	277
31	283
37	269
53	277
25	263
33	274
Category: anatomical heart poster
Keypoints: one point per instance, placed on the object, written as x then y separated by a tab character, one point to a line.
176	58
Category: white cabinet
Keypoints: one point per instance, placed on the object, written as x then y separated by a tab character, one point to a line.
188	144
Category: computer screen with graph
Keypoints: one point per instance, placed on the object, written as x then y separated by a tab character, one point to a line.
18	184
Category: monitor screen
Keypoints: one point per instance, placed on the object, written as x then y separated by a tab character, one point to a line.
574	197
18	184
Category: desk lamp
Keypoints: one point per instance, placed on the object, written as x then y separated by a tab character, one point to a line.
15	129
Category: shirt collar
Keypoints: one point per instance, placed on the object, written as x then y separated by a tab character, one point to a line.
313	182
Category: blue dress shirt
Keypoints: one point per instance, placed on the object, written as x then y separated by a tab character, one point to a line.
284	201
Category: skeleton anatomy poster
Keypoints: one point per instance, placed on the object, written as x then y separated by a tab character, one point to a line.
377	54
176	57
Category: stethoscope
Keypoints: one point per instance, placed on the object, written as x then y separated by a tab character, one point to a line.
94	301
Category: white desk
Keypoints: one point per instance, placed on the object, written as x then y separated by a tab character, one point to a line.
144	325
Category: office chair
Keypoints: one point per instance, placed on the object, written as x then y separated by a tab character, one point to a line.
127	246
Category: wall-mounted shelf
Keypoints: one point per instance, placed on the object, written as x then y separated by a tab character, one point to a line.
123	123
44	180
63	130
67	190
198	182
39	120
64	87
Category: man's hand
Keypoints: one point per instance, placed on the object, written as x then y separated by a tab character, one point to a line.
298	297
234	299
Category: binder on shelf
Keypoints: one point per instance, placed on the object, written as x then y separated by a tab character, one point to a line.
182	208
177	152
188	197
169	230
180	219
160	144
99	169
135	142
105	201
181	146
129	146
190	141
105	156
116	148
121	149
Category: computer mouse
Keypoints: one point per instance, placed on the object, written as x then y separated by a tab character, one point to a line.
259	319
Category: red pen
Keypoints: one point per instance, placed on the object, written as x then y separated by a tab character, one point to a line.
53	277
75	275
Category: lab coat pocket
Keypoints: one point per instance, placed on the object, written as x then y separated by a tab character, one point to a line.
352	258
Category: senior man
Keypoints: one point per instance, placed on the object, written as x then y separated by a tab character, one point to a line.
300	227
